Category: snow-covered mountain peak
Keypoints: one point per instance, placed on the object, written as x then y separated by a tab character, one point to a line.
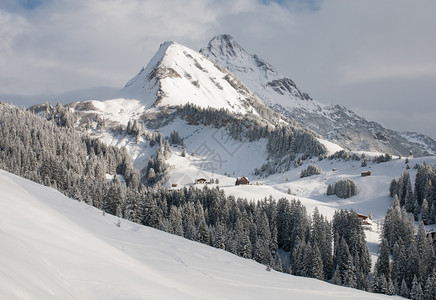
224	45
157	58
261	77
225	50
177	75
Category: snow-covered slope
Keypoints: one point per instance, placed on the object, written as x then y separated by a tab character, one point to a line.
335	123
56	248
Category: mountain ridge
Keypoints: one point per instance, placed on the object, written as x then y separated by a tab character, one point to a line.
333	122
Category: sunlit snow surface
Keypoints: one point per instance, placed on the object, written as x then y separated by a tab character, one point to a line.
53	247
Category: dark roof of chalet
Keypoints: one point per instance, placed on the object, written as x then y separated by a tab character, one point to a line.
362	216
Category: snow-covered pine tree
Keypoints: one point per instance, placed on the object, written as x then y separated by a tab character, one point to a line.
404	289
416	292
393	188
382	265
430	287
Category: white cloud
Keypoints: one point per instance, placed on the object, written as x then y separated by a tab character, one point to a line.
380	70
74	44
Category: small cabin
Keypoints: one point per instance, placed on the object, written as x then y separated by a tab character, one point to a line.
365	219
174	185
242	180
366	173
200	180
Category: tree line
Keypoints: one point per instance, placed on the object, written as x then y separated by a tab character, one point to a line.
407	263
420	198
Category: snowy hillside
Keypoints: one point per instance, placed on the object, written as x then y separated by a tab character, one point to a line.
335	123
56	248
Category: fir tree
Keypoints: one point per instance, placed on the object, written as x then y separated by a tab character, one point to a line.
317	268
429	292
416	291
404	290
382	265
425	212
390	288
409	201
393	188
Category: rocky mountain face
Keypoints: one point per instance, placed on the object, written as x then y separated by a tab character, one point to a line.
334	122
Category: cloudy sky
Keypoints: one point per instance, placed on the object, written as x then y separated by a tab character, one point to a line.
376	57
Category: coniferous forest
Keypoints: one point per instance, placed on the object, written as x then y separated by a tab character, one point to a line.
420	198
277	233
407	262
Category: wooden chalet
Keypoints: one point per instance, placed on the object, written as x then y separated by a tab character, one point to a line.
200	180
242	180
365	219
366	173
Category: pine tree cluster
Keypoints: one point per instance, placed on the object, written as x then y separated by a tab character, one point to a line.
352	260
419	199
59	114
156	170
382	158
175	139
76	165
343	189
310	170
345	155
407	263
